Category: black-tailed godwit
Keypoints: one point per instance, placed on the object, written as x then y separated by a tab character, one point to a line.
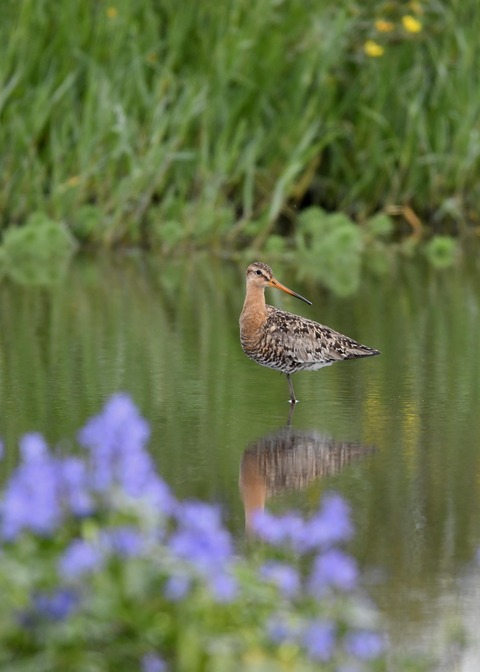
284	341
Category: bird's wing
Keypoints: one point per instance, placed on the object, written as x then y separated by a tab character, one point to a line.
306	341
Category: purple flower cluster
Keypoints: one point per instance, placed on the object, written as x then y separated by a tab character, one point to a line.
283	575
333	569
364	644
329	526
44	490
81	557
55	605
116	440
201	540
186	542
151	662
318	535
330	570
31	500
323	640
320	640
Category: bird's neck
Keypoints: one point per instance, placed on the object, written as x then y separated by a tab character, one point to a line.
254	310
253	488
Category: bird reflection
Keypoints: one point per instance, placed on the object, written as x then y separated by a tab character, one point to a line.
291	459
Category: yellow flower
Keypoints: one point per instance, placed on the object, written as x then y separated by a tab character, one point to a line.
384	26
373	49
112	12
73	181
411	24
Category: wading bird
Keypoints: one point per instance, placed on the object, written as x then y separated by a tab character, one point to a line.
287	342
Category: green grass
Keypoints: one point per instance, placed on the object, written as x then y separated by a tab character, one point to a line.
209	124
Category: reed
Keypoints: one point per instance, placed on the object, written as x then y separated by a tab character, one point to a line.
210	124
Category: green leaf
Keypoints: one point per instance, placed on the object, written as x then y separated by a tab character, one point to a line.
441	251
38	252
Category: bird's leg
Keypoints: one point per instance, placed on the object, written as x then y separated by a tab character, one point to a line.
290	387
290	415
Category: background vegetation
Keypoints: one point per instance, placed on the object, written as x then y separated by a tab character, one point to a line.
210	124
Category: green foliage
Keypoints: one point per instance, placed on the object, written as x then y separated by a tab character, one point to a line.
168	235
87	225
378	254
330	246
144	107
237	108
36	253
275	245
379	226
441	251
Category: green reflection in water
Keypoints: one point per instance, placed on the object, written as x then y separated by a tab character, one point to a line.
167	332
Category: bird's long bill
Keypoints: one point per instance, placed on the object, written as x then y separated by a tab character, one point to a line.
278	285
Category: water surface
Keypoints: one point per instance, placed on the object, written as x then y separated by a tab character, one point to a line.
397	435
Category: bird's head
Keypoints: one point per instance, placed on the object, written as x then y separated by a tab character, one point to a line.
261	275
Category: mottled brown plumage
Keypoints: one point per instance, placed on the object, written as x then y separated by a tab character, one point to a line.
284	341
288	460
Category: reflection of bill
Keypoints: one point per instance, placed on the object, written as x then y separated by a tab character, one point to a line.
289	460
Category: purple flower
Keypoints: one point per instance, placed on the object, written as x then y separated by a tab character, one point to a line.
116	439
330	525
200	538
135	472
282	575
268	527
177	587
155	491
280	630
151	662
57	605
125	541
32	496
80	558
319	640
364	644
293	526
205	551
202	543
334	569
199	516
75	486
279	530
118	426
223	587
33	448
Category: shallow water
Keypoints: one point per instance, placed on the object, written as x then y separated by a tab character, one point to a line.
397	435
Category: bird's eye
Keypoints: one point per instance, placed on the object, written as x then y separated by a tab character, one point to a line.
258	272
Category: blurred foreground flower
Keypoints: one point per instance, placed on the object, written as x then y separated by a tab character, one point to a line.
98	555
373	49
384	26
411	24
153	663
